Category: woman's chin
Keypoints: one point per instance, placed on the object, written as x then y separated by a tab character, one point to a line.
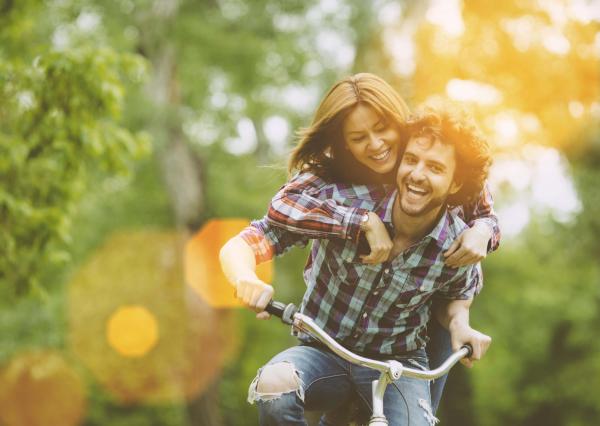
382	168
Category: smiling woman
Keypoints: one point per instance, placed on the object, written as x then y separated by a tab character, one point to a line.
371	139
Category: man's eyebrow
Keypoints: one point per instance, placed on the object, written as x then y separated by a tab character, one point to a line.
436	163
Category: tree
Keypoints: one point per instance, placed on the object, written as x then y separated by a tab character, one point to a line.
60	121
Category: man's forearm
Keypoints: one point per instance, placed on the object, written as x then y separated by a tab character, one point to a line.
237	260
452	312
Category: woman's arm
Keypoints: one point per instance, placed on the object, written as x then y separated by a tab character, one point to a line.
305	205
483	235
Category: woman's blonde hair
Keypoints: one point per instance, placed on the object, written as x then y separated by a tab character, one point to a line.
320	148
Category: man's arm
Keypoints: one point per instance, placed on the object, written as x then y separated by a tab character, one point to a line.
483	235
239	266
240	255
454	316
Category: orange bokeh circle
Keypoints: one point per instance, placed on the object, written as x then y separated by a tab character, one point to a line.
39	389
203	270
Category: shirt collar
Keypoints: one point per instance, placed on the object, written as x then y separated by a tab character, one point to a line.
448	227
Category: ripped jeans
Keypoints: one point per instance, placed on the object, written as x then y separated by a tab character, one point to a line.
320	380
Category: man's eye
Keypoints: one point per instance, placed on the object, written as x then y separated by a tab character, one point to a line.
436	169
381	127
410	160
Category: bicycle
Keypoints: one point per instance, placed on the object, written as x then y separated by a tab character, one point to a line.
389	370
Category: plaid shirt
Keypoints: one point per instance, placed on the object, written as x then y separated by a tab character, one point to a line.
308	205
378	309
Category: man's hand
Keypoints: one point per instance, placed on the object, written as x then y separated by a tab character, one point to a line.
470	246
378	239
461	334
254	294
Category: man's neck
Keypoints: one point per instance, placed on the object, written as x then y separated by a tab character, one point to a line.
411	229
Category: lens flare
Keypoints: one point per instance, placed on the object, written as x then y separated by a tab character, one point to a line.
132	331
141	332
202	268
40	389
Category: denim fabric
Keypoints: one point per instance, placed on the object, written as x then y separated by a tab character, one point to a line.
439	349
329	381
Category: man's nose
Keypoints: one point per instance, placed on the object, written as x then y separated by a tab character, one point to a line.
417	173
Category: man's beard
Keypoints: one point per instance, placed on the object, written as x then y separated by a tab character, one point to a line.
431	205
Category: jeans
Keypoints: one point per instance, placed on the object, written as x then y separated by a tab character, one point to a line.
326	382
438	349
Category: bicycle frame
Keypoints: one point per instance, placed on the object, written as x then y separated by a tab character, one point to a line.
389	370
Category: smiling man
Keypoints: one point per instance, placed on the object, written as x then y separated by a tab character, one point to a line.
380	310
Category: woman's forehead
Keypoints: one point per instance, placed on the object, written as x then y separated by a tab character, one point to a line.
361	116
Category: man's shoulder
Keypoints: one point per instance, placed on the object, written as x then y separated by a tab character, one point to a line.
454	224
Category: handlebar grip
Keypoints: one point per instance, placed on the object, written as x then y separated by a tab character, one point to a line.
469	349
283	311
275	308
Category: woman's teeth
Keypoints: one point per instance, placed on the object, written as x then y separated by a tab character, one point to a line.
381	156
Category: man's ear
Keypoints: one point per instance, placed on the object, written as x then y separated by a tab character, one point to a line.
455	187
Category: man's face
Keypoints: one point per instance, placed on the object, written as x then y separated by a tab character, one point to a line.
425	176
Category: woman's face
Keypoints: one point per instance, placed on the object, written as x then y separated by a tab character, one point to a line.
372	139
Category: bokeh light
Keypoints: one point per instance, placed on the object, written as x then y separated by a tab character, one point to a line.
132	331
40	389
139	329
202	268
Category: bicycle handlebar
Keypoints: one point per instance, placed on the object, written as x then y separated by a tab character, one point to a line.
289	315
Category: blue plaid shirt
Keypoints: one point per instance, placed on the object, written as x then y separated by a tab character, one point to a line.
374	309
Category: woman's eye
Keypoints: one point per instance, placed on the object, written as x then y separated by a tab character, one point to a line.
358	138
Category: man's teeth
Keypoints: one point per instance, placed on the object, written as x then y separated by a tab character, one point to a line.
416	189
381	156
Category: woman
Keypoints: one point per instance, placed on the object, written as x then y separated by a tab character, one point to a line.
356	137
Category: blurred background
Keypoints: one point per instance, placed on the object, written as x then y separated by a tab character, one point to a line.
137	136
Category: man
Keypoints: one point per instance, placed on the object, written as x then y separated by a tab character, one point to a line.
380	310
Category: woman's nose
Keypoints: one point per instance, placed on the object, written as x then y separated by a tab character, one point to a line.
375	142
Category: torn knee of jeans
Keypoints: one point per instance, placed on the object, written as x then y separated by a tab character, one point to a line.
274	380
428	412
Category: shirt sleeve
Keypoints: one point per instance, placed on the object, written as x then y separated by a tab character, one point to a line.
302	206
482	211
267	241
463	286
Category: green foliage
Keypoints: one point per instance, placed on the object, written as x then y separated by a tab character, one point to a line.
59	121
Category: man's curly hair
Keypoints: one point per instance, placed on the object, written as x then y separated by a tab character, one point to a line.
446	122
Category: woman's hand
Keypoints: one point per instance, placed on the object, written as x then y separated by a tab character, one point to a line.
470	246
378	239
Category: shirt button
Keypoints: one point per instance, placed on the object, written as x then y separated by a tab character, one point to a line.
386	270
365	315
375	293
356	336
